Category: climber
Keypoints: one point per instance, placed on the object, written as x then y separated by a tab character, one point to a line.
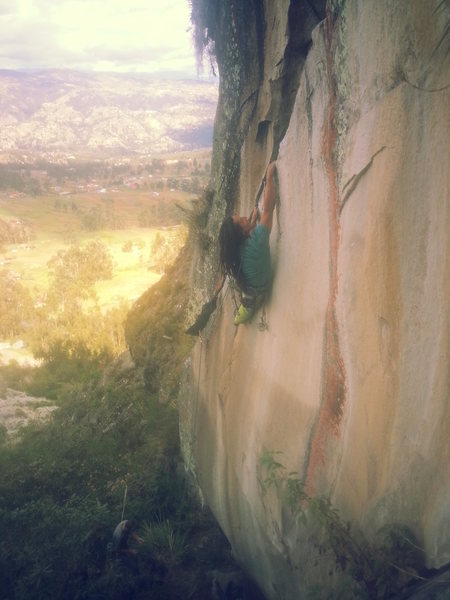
244	251
125	539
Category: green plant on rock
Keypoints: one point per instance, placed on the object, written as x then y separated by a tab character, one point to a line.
205	17
164	542
377	570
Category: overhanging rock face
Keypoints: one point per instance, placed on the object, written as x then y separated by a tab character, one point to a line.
350	380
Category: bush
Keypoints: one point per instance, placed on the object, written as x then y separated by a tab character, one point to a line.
62	493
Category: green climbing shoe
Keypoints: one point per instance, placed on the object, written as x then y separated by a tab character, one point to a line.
243	315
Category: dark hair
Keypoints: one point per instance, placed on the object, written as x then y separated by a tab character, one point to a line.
231	236
131	525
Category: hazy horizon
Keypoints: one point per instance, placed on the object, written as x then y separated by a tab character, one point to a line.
170	74
143	36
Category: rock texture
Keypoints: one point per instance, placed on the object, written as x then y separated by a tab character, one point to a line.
350	381
17	409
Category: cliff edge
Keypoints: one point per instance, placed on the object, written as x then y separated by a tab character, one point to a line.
349	379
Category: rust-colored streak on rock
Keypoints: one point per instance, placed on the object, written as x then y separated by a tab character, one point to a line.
333	389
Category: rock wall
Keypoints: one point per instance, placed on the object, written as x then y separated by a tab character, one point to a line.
350	379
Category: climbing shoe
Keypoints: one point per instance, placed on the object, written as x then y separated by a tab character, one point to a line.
243	315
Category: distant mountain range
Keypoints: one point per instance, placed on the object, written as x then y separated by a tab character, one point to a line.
102	114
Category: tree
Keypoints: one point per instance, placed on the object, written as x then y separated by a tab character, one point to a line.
94	219
16	305
75	271
157	165
71	327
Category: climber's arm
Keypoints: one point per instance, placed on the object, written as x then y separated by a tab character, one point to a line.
269	197
254	217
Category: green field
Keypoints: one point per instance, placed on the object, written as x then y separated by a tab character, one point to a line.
54	223
55	230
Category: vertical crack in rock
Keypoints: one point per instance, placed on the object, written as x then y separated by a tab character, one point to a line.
333	384
309	94
302	18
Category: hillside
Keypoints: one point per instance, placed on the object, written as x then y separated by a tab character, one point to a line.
98	114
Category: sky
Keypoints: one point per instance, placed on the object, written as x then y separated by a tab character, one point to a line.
150	36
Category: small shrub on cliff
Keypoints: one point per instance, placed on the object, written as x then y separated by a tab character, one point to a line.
204	17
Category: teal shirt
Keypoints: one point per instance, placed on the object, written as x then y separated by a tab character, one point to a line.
255	258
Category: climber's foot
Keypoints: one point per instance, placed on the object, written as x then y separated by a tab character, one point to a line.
243	315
